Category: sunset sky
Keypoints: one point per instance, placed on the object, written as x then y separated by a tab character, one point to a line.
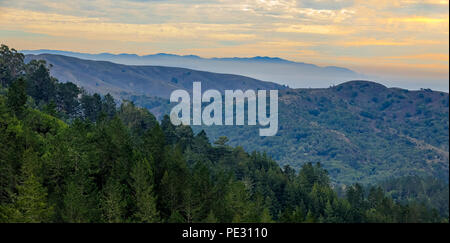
393	38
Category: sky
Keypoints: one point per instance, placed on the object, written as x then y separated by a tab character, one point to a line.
404	40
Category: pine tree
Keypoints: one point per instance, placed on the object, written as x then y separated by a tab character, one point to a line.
298	215
31	202
376	196
91	105
265	216
153	142
17	97
109	105
237	200
211	218
355	197
80	203
310	218
142	185
67	98
169	130
113	204
41	86
174	182
176	217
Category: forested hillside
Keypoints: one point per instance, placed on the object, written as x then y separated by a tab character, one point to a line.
360	131
68	156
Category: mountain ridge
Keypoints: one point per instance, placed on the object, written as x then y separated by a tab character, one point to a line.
275	69
70	53
159	81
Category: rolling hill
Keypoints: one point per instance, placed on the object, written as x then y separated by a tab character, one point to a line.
360	131
281	71
107	77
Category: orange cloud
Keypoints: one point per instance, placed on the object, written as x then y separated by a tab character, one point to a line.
315	29
424	20
384	42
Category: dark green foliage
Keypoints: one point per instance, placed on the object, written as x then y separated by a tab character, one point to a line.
17	97
31	204
92	106
11	65
427	190
67	98
96	172
143	191
135	118
41	86
109	106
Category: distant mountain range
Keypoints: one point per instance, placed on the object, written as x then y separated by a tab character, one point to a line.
118	79
281	71
360	131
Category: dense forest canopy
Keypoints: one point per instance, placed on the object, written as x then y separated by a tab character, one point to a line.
69	156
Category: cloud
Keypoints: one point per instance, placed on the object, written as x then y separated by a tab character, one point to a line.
424	7
96	29
438	57
389	42
421	20
325	4
315	29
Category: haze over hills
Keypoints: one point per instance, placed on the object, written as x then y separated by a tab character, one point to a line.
107	77
360	131
293	74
